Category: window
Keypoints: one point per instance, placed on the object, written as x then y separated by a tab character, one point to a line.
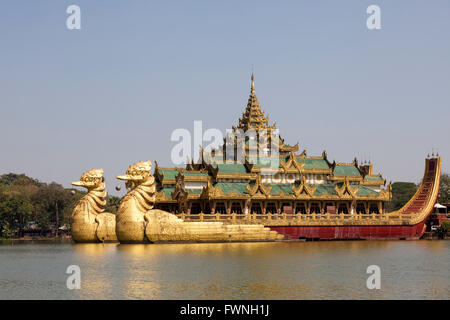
236	208
343	209
300	208
196	208
256	208
360	209
315	208
220	208
373	208
271	208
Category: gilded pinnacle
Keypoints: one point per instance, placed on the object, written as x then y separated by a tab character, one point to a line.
253	84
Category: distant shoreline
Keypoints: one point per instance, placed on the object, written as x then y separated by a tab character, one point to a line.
37	239
69	240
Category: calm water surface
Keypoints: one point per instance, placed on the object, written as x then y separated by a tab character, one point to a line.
296	270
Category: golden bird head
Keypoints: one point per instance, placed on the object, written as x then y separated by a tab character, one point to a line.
137	172
90	179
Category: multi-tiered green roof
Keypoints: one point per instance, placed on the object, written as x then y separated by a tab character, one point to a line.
282	176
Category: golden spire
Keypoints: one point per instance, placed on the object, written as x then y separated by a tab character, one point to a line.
253	84
253	117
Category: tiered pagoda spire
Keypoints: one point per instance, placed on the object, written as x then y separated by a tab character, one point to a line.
253	117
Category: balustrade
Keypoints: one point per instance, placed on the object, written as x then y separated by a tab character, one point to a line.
254	217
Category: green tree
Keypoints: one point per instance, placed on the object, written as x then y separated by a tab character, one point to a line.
24	199
15	211
445	225
10	179
53	204
444	189
402	192
112	203
5	230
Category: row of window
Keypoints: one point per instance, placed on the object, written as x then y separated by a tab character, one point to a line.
271	207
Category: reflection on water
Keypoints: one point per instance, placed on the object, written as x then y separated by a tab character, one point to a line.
294	270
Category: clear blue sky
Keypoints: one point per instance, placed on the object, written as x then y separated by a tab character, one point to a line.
111	93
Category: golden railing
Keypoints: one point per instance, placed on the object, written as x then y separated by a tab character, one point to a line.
297	219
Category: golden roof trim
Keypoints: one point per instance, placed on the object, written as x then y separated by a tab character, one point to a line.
303	189
346	191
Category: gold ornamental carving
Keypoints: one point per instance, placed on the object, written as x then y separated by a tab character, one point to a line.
89	221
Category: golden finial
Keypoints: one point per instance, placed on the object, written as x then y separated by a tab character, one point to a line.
253	83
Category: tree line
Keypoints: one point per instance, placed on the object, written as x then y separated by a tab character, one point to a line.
25	201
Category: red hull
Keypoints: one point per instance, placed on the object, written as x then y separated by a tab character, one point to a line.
420	206
352	232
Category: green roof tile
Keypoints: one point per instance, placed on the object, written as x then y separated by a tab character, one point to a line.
325	189
277	188
373	178
314	163
231	168
228	187
365	191
167	192
189	173
169	174
346	171
265	162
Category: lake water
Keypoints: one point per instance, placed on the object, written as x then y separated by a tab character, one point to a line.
283	270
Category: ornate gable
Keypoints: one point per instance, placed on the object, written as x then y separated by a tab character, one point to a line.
210	191
346	191
259	187
303	190
292	165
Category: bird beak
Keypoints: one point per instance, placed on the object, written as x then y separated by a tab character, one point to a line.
124	177
78	184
